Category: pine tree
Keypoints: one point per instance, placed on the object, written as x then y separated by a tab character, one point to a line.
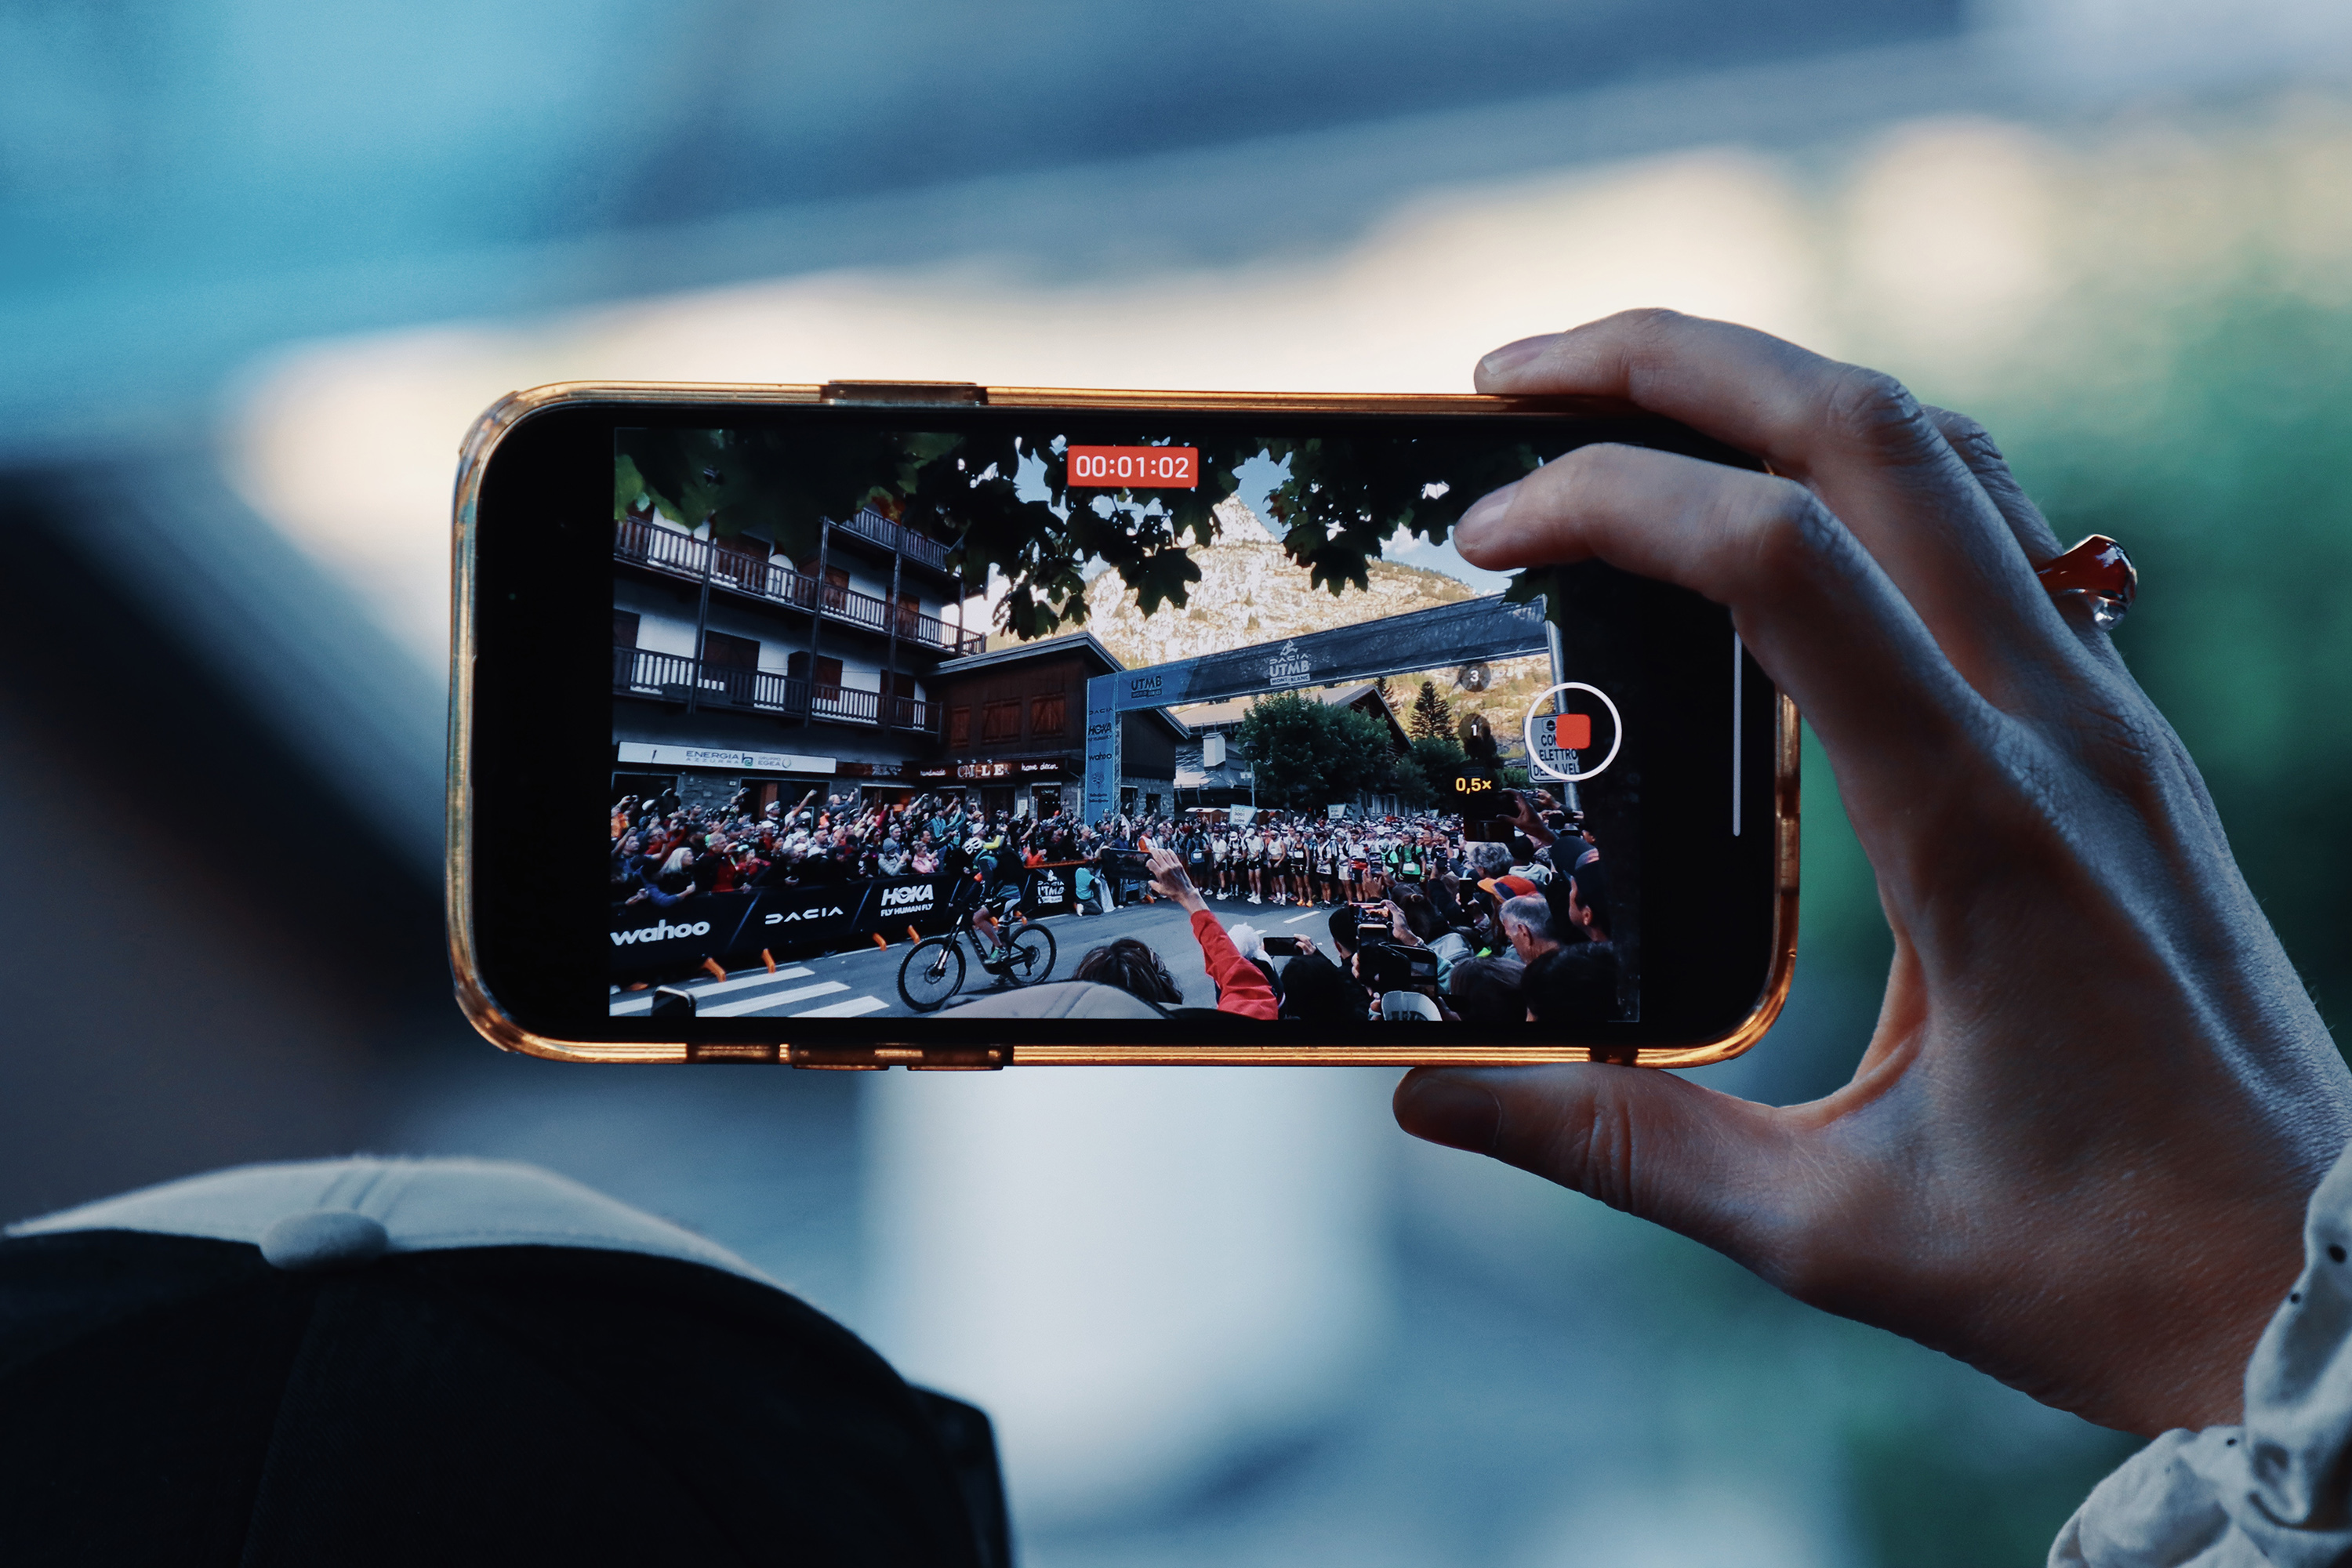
1432	716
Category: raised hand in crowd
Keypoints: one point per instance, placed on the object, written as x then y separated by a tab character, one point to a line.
1169	880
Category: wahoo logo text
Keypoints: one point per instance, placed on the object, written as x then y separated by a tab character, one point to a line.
660	931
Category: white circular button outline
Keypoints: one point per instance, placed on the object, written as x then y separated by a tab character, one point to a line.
1616	732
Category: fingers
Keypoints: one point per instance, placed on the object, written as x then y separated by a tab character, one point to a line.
1810	603
1973	445
1727	1172
1855	438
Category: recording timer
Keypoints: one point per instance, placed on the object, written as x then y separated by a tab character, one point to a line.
1135	468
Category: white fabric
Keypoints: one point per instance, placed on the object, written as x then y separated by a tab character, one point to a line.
422	1205
2276	1490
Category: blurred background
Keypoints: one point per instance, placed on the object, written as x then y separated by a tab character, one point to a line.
261	264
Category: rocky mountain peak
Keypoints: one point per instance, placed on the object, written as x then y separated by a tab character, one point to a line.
1250	592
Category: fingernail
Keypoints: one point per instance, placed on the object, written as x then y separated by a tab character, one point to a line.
1510	356
1483	518
1459	1112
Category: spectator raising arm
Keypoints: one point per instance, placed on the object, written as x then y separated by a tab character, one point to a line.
1241	985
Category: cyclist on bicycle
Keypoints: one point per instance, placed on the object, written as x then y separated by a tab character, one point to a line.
991	903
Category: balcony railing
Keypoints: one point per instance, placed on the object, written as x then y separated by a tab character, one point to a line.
683	555
671	676
867	523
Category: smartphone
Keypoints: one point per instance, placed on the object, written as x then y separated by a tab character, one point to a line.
1287	946
882	690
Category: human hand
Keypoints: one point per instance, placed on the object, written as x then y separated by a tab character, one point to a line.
1522	817
2077	1151
1168	879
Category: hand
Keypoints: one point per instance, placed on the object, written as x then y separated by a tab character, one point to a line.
1169	879
2077	1151
1523	817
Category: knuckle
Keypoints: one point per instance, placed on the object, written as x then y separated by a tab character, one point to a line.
1649	319
1793	535
1961	430
1872	410
1591	1148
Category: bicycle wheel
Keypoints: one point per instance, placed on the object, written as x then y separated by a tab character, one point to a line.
931	972
1030	958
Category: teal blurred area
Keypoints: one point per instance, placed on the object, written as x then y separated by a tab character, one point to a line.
183	185
260	264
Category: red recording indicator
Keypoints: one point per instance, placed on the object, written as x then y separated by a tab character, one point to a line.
1136	468
1572	731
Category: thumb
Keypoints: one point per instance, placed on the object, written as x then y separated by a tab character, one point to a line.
1714	1168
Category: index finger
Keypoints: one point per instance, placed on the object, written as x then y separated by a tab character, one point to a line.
1852	437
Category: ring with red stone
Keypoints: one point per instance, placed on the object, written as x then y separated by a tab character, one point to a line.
2098	570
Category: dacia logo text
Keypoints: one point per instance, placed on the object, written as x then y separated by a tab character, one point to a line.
817	914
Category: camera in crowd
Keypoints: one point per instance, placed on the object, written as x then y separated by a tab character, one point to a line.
1384	963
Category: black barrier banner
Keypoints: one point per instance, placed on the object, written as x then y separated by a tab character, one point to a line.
818	916
1050	889
715	925
685	933
889	905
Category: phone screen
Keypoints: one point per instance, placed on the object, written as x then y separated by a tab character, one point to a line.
895	715
867	684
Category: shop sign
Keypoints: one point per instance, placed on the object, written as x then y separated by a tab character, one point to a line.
732	762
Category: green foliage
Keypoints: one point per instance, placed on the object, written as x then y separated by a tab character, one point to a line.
1281	736
739	480
1308	753
1341	502
1343	499
1432	714
1427	776
1359	753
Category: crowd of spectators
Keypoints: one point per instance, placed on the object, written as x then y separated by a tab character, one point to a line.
663	851
1483	930
1425	922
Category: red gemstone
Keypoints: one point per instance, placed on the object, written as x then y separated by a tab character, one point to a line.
2097	569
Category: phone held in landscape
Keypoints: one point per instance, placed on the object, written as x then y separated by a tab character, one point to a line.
907	685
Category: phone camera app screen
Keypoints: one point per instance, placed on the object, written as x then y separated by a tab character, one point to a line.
902	718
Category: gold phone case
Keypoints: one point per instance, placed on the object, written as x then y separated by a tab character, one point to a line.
484	1013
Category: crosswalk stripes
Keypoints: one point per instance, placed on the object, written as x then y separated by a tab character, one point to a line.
759	994
766	1000
643	1000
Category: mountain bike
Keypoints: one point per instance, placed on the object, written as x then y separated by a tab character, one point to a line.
933	968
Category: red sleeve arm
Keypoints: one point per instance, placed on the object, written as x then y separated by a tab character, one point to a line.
1240	984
